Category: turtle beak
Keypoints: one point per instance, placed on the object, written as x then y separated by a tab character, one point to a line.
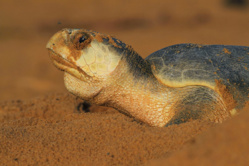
58	38
58	43
57	49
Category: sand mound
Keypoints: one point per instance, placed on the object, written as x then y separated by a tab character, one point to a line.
54	129
225	144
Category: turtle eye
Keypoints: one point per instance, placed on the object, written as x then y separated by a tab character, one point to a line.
81	41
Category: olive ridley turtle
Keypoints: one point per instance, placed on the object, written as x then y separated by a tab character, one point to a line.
173	85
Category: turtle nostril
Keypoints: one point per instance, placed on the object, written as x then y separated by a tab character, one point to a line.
69	31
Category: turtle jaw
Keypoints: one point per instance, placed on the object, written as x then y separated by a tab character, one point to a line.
76	80
66	66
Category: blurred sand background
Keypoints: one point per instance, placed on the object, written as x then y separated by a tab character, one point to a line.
41	124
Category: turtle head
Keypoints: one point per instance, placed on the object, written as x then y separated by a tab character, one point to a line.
86	57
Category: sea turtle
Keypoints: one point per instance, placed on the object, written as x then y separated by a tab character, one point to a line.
172	85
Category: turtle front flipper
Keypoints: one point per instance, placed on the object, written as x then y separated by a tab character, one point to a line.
198	103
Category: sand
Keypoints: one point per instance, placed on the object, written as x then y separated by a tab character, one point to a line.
42	124
55	130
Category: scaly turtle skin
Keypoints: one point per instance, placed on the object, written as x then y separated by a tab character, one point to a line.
172	85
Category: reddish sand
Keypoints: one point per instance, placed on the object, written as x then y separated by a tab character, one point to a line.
52	129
